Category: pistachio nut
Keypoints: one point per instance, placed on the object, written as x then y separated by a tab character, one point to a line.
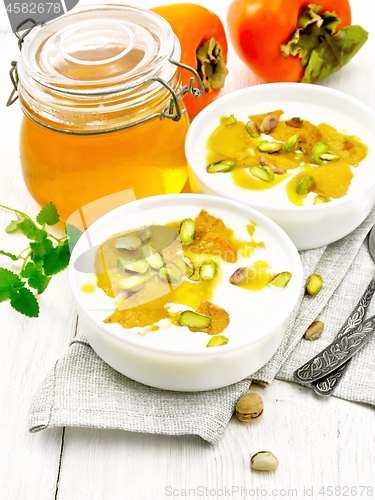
228	120
263	173
329	157
252	129
279	171
264	161
295	122
239	275
314	284
217	340
319	149
249	407
291	143
306	185
314	331
268	124
281	279
264	460
269	147
320	199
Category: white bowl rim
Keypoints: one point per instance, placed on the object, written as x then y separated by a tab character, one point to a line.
258	206
286	243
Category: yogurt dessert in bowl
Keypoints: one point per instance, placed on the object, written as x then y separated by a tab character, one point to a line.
298	153
185	292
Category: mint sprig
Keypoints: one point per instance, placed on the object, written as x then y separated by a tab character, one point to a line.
45	256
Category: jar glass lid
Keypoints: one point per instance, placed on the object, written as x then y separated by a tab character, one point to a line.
99	49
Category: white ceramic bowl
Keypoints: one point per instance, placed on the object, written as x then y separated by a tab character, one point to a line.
308	226
185	368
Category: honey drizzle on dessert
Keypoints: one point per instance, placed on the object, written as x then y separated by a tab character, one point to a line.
150	305
332	179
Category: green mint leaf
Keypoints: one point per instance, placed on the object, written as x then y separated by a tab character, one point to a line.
24	301
4	295
48	215
41	248
13	225
29	270
29	229
41	235
10	255
37	279
74	235
57	259
9	280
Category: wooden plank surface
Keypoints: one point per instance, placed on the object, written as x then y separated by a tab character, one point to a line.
319	443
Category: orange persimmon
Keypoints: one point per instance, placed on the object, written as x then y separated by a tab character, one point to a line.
294	40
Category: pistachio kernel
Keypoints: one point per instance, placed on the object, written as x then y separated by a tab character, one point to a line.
263	173
269	146
268	124
320	199
169	274
295	122
228	120
252	129
314	284
306	185
319	149
220	166
281	279
264	460
314	331
264	161
279	171
291	143
128	243
239	275
217	340
329	157
249	407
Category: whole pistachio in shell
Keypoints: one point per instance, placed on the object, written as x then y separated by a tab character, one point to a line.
264	460
314	331
249	407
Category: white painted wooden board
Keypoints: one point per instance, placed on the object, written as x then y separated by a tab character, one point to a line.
320	443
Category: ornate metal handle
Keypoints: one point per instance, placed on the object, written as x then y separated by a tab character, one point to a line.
352	338
326	385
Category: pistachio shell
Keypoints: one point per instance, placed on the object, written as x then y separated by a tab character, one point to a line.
249	407
264	460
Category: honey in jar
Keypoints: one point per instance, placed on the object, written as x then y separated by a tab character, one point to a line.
92	85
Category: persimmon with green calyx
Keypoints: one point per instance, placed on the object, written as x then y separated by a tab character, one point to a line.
294	40
203	47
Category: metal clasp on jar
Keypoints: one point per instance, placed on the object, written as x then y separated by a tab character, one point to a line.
172	111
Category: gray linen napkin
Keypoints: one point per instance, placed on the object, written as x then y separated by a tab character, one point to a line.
83	391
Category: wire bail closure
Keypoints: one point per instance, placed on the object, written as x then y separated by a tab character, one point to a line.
172	111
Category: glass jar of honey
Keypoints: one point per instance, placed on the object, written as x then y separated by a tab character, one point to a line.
99	89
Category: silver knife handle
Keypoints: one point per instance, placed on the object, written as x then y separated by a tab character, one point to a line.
326	385
359	312
336	353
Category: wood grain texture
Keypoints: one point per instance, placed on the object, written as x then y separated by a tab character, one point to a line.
319	442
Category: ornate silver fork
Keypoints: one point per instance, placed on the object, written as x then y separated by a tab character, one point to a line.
325	370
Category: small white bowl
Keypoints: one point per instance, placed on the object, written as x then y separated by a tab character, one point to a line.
308	226
190	365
